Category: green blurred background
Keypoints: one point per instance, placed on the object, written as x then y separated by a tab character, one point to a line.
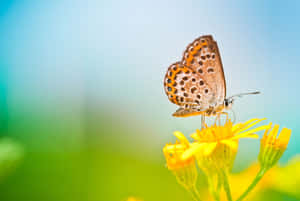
81	89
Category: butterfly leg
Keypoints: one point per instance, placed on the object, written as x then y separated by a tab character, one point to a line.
227	116
202	121
218	119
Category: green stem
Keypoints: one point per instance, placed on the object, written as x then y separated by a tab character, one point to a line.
226	186
195	193
216	196
258	177
214	190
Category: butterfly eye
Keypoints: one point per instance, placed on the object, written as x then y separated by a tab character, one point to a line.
226	103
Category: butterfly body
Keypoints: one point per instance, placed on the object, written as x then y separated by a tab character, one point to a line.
211	111
197	82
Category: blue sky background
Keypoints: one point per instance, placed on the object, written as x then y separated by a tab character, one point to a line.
62	58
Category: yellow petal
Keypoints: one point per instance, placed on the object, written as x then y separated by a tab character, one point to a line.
284	138
194	148
173	147
236	126
233	144
181	137
267	131
195	136
255	130
240	125
273	134
247	126
209	148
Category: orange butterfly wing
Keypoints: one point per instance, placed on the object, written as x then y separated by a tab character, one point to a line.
203	56
198	80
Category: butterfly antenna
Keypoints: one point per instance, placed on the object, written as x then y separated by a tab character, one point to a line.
244	94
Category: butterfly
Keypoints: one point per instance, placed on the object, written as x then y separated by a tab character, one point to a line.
197	82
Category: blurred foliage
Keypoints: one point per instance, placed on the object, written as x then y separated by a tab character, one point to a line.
10	155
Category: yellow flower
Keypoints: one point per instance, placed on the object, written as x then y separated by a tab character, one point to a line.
133	199
272	147
216	146
184	169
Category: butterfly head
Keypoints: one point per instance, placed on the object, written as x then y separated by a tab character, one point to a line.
228	102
